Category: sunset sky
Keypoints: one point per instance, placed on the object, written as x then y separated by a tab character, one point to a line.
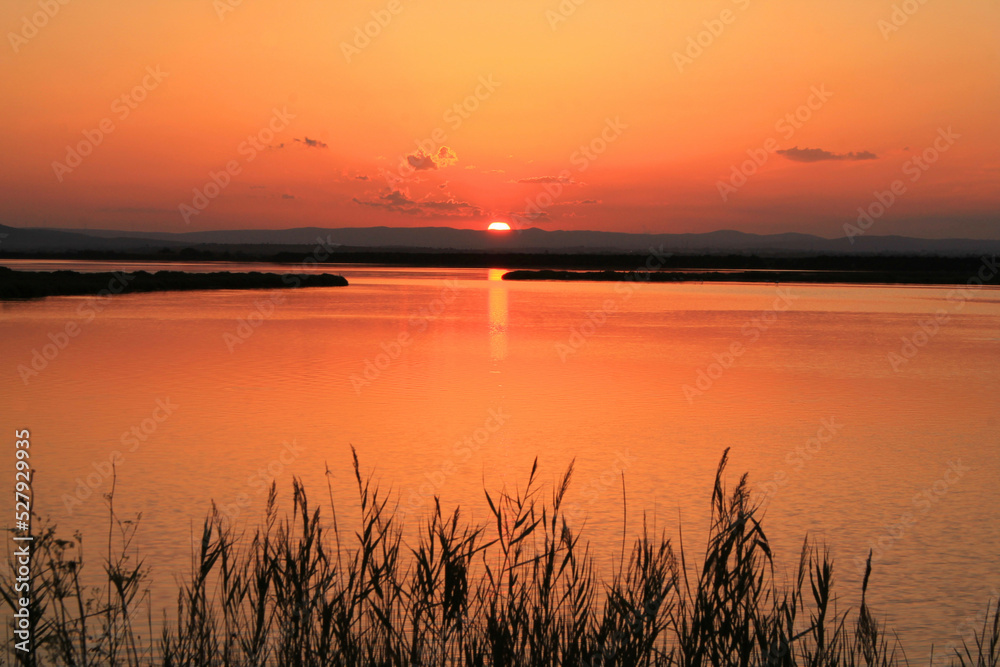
632	115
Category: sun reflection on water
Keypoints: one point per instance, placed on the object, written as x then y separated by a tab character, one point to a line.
498	314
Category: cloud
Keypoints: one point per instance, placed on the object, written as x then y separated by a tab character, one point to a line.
362	178
133	210
528	218
577	202
565	180
446	157
797	154
312	143
400	202
421	161
545	215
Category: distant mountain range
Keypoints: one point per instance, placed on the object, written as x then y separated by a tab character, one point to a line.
444	239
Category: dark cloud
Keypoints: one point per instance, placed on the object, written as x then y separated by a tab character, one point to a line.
444	157
288	196
797	154
312	143
399	202
362	178
421	162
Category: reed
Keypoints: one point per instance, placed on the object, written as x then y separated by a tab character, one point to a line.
521	590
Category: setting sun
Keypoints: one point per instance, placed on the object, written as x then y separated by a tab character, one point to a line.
499	227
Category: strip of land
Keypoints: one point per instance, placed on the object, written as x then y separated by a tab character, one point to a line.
869	269
567	260
832	277
38	284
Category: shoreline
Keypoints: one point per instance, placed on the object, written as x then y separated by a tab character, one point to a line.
16	285
31	284
824	277
565	260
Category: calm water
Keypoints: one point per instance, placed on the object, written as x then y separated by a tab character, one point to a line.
446	380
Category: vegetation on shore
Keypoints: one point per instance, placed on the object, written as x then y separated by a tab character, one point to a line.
37	284
869	277
522	590
903	267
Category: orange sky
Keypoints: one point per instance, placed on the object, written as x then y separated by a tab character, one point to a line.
181	85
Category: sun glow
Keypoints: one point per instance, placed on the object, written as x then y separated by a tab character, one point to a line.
499	227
